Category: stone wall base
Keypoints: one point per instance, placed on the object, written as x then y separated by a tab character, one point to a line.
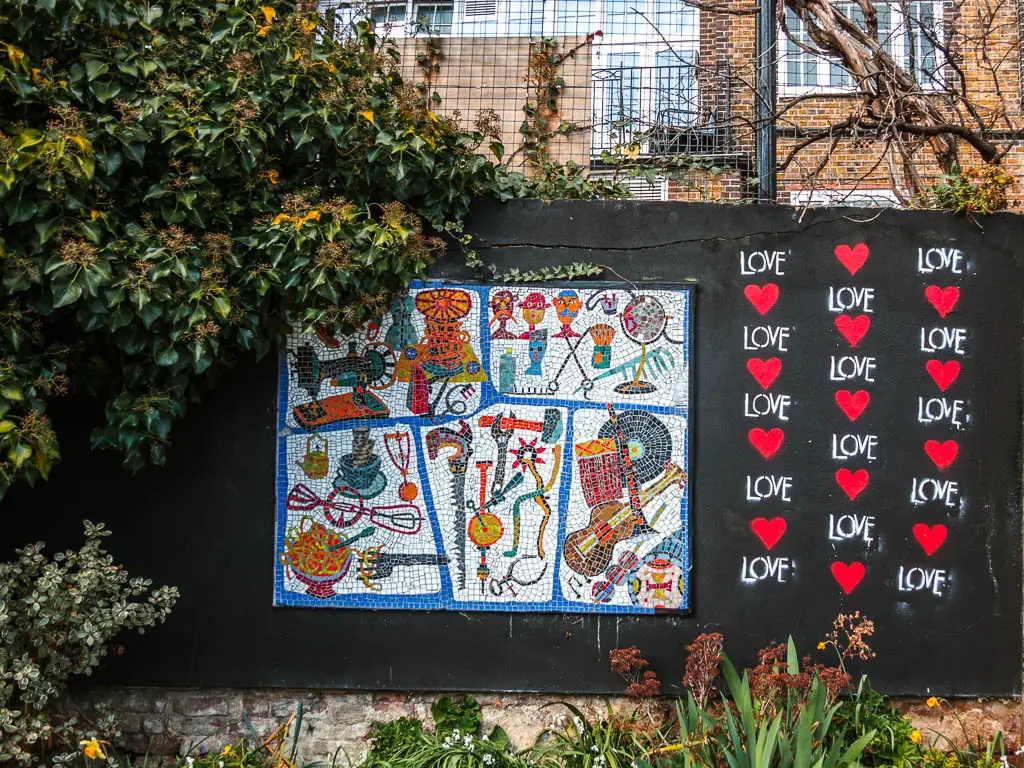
170	720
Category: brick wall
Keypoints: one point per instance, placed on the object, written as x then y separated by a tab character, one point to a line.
169	720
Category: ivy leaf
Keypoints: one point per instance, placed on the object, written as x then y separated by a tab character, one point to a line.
168	357
19	454
65	294
94	69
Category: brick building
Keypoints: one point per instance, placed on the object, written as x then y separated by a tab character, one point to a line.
663	80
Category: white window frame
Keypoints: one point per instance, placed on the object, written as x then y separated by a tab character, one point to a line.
897	48
853	197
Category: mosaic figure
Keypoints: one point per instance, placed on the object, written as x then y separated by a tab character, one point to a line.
502	303
538	346
533	308
426	462
567	306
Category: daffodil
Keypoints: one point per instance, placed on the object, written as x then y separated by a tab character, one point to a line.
273	176
932	701
821	646
228	751
94	214
915	736
92	749
307	25
262	31
367	114
268	13
280	219
297	56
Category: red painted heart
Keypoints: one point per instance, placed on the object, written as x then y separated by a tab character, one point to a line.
944	374
764	371
942	454
853	403
768	531
852	483
853	328
931	538
852	258
848	575
943	299
766	443
763	298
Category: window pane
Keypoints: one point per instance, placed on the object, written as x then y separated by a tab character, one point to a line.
621	18
622	95
525	18
433	18
675	88
575	17
675	20
387	14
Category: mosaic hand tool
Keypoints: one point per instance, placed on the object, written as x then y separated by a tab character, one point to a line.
550	427
501	433
587	384
461	442
375	564
511	581
399	518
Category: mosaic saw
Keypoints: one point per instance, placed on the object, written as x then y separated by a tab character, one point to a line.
490	447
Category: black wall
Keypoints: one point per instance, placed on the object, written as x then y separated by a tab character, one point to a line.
205	522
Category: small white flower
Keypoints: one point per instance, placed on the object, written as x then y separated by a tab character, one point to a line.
593	748
456	733
599	760
189	761
488	759
467	740
485	737
220	764
362	756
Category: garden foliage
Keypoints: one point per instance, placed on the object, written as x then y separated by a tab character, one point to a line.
57	620
174	172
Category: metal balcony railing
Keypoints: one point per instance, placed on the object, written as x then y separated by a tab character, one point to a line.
658	110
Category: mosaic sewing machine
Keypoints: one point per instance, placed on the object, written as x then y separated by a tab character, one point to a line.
372	369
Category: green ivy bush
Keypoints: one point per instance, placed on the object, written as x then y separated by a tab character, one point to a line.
57	619
173	172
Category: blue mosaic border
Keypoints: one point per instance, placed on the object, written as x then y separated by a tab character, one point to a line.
445	600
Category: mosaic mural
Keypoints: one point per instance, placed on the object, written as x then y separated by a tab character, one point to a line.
493	447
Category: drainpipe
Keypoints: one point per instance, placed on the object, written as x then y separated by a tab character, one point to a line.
767	44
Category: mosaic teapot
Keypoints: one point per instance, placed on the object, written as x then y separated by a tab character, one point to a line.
314	463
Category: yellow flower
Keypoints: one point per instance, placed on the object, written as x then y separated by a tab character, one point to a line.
92	749
273	177
94	214
932	701
632	151
367	114
915	736
262	31
821	646
268	13
280	219
332	67
314	215
432	116
228	752
297	56
307	25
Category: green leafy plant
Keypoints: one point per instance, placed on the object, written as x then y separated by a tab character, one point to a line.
172	174
456	741
462	715
971	190
612	742
57	619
